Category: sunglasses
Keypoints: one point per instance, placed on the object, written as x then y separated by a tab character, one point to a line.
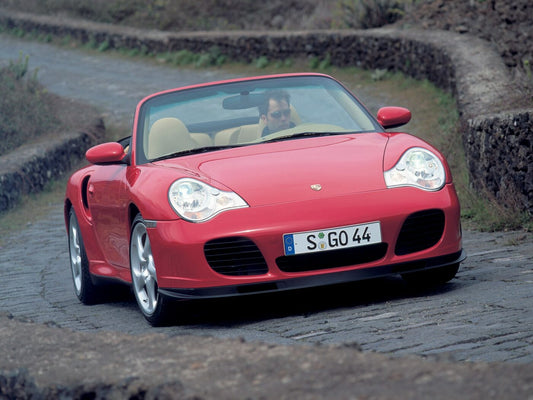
277	114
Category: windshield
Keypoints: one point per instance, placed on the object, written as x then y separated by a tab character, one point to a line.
247	112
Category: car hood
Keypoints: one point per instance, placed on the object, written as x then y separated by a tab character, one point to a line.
299	169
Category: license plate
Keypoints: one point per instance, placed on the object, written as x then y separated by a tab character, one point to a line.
332	239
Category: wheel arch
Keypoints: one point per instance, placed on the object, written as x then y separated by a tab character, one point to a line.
66	211
133	210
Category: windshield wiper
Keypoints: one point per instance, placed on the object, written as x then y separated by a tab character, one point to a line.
301	135
196	150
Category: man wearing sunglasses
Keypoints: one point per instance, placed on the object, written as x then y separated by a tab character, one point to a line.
275	112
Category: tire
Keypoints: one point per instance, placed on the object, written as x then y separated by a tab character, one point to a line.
153	306
86	291
432	277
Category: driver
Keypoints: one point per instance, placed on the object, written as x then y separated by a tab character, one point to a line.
275	112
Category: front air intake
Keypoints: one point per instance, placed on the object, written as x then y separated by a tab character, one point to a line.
420	231
235	256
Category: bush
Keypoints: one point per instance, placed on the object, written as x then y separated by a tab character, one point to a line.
24	113
366	14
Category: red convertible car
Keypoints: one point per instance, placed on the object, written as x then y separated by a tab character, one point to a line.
258	185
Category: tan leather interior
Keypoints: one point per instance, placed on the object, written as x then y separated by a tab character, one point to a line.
248	133
167	136
203	139
170	135
226	136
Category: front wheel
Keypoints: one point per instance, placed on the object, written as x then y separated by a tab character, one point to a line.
86	291
431	277
153	306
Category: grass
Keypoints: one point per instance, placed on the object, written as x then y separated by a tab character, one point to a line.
24	109
435	119
31	208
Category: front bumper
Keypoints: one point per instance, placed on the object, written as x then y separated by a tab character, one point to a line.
314	280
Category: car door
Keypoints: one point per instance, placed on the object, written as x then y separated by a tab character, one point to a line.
108	202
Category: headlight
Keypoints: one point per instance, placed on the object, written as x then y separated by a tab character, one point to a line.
417	167
196	201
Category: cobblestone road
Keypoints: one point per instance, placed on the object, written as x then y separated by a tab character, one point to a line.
485	314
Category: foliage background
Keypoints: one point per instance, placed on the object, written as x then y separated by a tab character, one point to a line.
25	112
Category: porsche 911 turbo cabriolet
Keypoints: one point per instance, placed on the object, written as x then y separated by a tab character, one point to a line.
258	185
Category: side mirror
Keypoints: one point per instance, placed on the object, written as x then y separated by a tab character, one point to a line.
106	153
392	117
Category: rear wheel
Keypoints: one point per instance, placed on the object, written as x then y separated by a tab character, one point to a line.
154	307
84	287
435	276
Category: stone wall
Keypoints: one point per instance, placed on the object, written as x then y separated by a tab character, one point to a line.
501	157
30	168
498	147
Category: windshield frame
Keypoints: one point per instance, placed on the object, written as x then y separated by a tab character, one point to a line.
234	88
